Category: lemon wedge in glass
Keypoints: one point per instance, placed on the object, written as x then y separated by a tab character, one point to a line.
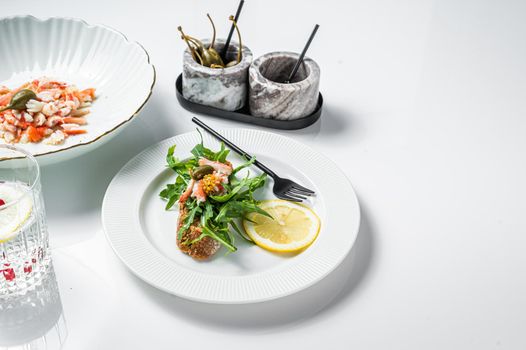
293	227
13	215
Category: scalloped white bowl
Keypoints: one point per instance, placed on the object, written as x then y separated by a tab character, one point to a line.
86	55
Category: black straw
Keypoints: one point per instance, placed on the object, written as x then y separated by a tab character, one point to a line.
236	18
300	59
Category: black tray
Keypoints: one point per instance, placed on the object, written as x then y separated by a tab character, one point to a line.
243	114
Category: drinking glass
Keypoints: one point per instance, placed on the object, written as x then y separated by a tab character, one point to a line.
34	320
24	243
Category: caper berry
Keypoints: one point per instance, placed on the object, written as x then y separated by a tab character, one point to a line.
202	171
208	56
19	100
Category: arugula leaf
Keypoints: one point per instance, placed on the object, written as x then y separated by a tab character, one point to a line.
252	185
238	209
223	232
200	151
172	192
170	159
244	165
216	216
181	167
171	202
238	231
174	163
208	213
226	197
189	220
168	191
257	182
222	154
220	238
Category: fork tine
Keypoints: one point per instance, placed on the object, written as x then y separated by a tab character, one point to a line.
299	191
299	187
295	195
282	196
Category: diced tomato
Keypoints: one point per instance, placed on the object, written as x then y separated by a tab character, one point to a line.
35	134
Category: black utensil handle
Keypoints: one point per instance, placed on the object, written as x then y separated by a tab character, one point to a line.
232	27
302	55
233	146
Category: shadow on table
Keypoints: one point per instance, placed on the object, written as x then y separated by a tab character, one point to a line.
88	175
333	122
76	187
303	306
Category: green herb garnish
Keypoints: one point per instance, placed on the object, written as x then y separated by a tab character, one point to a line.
217	215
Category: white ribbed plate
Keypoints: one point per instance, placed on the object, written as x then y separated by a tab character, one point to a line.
143	234
85	55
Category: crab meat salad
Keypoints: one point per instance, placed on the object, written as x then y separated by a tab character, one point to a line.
210	198
43	110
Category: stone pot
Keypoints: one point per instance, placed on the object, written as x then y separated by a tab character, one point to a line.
225	88
270	97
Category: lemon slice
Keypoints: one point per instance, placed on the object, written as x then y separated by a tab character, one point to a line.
13	217
293	228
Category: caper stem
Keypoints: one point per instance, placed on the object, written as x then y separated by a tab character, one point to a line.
183	36
200	58
214	32
239	38
197	43
199	47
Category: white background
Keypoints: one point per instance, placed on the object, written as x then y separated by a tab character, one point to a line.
425	111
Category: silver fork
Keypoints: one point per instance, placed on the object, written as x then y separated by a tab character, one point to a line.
283	188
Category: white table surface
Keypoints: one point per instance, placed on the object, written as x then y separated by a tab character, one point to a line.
425	112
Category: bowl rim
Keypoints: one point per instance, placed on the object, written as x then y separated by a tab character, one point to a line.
256	76
148	60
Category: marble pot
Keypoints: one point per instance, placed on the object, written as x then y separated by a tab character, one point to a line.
225	88
269	97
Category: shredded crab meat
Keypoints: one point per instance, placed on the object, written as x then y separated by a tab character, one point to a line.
56	138
57	112
39	119
222	168
28	118
34	106
211	184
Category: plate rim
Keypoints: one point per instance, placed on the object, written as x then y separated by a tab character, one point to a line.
106	27
209	300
